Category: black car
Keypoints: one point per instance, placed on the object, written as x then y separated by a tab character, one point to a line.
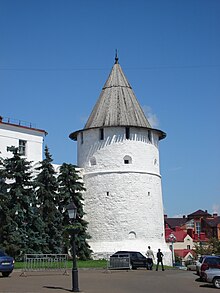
128	259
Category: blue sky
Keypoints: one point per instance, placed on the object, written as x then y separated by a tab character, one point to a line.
55	57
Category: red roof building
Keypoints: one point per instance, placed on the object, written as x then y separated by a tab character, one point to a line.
199	226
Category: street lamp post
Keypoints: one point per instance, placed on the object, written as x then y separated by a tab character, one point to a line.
71	208
172	239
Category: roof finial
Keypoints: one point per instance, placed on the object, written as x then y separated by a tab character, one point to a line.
116	56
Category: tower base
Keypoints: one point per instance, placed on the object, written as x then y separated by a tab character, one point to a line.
103	250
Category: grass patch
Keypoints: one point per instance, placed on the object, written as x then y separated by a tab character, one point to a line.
80	264
101	264
91	263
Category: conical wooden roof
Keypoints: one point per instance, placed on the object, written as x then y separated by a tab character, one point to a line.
117	104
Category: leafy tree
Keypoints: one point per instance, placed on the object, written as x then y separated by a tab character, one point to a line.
70	190
19	230
214	245
201	248
208	248
47	200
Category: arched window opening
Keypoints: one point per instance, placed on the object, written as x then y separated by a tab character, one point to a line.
127	160
132	235
93	161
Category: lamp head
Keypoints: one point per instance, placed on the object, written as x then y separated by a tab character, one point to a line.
71	209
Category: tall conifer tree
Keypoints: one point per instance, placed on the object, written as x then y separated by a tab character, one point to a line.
3	203
47	198
19	230
70	190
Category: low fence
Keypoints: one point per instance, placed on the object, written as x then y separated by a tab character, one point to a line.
45	262
122	262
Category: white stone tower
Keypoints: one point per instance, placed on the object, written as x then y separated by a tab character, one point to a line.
118	151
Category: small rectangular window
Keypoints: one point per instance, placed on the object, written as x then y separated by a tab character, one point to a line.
188	246
22	147
101	133
127	132
81	135
149	136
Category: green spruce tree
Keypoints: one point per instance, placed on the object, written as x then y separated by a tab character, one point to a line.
47	199
70	190
3	202
20	233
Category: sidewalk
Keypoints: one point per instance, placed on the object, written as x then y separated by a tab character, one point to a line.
103	281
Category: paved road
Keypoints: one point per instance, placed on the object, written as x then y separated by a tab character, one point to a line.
102	281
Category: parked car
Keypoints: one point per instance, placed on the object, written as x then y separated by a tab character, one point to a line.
192	265
199	263
213	276
209	262
6	264
128	259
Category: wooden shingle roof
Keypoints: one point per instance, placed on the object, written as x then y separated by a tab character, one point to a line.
117	104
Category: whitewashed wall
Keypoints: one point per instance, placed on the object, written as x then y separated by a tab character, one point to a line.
123	202
10	136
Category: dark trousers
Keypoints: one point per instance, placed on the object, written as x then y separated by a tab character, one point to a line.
160	261
149	263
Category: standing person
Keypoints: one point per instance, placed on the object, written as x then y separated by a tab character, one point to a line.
150	258
159	259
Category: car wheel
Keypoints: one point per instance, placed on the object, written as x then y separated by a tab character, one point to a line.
216	283
5	274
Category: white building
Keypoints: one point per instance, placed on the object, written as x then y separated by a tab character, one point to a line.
20	134
118	151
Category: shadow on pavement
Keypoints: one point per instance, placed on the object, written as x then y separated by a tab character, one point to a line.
58	288
210	286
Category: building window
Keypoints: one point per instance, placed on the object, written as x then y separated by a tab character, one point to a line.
127	132
127	160
190	224
81	136
101	133
132	235
188	246
93	161
149	134
22	147
198	228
